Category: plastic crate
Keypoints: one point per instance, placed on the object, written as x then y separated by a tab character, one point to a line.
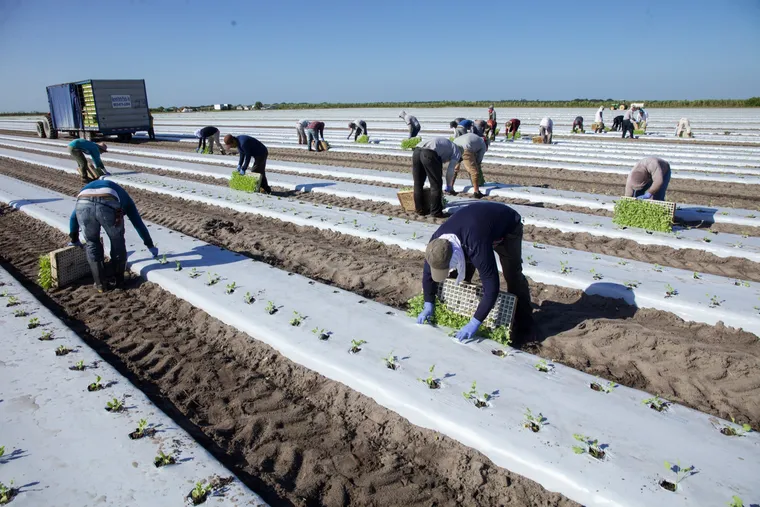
464	299
68	265
671	206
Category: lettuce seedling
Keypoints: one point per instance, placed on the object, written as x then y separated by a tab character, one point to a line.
472	395
163	459
595	257
7	493
589	445
248	298
177	266
33	322
141	425
657	268
538	246
596	276
642	214
79	366
95	386
736	502
534	422
696	276
391	361
622	262
681	474
656	403
62	351
271	309
20	313
670	291
356	346
431	381
46	336
714	301
320	333
4	294
213	279
741	283
115	405
200	492
410	144
597	386
12	301
542	366
363	139
163	260
194	273
297	319
2	450
45	273
230	288
531	261
731	431
632	284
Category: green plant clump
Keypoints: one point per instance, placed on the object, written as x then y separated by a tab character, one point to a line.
442	316
45	274
249	183
410	144
363	140
642	214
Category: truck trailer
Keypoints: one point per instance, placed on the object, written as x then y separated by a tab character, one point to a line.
96	107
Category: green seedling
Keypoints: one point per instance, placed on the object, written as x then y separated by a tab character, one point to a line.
62	351
657	268
696	276
320	333
248	298
115	405
46	336
632	284
95	386
163	459
538	246
670	291
656	403
442	316
230	288
681	474
736	502
271	309
356	346
472	396
297	319
2	451
33	322
501	353
141	425
163	260
590	446
597	276
177	266
531	261
6	493
563	268
200	492
362	139
20	313
213	279
706	240
622	262
410	144
643	215
542	366
250	183
391	361
194	273
431	381
731	431
741	283
595	257
533	422
4	294
599	387
45	273
12	301
79	366
714	301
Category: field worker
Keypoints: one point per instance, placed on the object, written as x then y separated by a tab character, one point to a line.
479	127
466	243
358	126
649	179
301	130
491	129
473	148
628	122
103	203
77	149
427	163
491	113
643	119
412	123
578	124
210	134
599	120
545	129
511	127
151	130
683	127
617	123
313	130
249	147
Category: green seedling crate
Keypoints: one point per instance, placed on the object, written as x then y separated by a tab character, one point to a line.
250	183
645	214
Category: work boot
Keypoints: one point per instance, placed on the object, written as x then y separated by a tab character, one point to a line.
478	195
98	271
118	275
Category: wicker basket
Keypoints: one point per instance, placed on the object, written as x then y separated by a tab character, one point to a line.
671	206
464	299
538	140
406	199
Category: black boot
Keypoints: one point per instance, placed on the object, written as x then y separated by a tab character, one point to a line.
98	271
118	275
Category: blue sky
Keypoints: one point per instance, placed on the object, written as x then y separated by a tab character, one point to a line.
201	52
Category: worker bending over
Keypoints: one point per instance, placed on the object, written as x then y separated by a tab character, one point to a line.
77	149
599	120
628	122
649	179
461	126
545	129
466	243
103	203
511	127
643	119
578	124
427	164
210	134
412	123
315	130
301	130
473	148
617	123
479	128
683	128
249	147
358	126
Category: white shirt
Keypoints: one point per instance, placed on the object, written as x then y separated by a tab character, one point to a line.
547	123
598	117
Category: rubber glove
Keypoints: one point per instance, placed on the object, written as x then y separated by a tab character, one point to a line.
469	329
240	171
74	243
153	251
646	195
427	313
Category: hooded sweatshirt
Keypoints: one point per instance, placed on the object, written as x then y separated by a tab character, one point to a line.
650	169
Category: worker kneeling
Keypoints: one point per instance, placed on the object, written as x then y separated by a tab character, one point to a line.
473	148
649	179
467	242
103	204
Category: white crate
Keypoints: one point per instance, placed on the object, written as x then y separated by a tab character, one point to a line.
464	299
68	265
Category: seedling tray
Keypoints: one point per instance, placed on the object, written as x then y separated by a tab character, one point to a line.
464	299
670	206
68	265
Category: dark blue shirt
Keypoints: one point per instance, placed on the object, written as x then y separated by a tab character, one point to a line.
467	124
250	147
478	226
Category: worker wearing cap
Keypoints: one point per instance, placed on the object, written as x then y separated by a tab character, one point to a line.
358	126
578	124
466	243
479	127
427	164
87	172
628	122
683	128
473	148
103	203
461	126
412	123
599	120
643	119
250	147
545	130
649	179
511	127
301	130
210	134
491	123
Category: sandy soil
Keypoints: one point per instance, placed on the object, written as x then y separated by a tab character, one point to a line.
710	368
292	435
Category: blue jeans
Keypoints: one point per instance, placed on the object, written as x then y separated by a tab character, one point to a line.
660	195
311	135
94	213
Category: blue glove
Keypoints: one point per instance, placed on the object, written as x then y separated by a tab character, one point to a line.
427	313
240	171
74	243
153	251
646	195
469	329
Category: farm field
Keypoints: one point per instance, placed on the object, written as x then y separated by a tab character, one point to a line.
301	421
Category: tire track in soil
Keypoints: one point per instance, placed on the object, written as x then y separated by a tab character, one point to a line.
294	436
646	349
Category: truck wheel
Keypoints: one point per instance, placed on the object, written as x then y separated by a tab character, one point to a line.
124	138
50	132
41	130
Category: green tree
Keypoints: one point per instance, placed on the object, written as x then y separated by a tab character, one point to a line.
258	105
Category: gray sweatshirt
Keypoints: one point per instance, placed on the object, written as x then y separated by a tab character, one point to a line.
649	169
447	151
474	144
409	119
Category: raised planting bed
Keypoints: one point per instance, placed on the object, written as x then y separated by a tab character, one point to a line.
482	398
59	442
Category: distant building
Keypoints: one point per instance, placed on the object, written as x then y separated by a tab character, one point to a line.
186	110
239	108
221	107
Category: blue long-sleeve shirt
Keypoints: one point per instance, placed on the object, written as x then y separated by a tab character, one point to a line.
90	148
467	124
250	147
127	205
477	226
